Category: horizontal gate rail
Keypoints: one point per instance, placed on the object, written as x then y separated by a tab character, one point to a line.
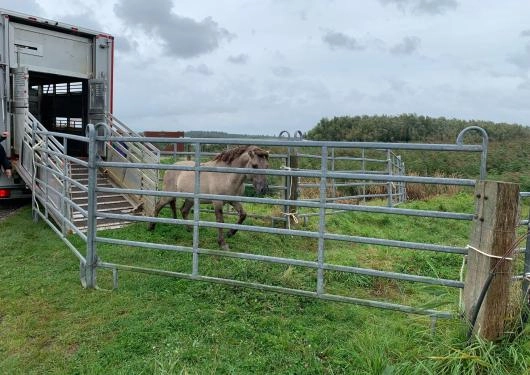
306	203
292	262
305	143
298	173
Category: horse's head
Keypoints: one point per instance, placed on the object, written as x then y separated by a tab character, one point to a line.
258	159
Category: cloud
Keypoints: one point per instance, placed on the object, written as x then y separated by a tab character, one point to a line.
433	7
199	69
525	32
338	40
86	20
525	85
282	71
30	7
240	59
182	37
409	45
124	44
522	60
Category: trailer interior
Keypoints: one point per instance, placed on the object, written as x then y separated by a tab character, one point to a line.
60	104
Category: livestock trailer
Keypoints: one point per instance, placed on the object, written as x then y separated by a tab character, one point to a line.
58	74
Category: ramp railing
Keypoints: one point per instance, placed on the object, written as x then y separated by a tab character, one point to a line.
132	152
43	167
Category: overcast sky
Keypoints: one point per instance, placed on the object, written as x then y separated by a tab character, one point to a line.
263	66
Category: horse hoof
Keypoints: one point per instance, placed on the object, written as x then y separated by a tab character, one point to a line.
230	233
225	247
151	227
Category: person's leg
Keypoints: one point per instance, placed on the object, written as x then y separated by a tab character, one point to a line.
4	161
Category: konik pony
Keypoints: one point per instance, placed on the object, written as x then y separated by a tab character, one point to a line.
218	183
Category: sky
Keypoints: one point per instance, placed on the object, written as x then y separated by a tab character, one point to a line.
264	66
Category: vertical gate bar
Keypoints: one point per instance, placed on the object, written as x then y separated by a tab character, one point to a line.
484	156
63	199
47	175
34	205
526	272
91	255
400	184
288	187
403	184
363	171
389	171
196	213
322	221
333	185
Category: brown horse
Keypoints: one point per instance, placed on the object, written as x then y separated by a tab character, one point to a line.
217	183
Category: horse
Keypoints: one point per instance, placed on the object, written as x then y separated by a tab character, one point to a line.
217	183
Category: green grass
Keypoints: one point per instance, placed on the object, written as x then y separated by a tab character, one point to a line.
158	325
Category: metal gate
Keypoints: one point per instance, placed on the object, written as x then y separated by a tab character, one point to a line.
318	267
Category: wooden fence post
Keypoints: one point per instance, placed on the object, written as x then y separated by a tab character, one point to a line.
493	235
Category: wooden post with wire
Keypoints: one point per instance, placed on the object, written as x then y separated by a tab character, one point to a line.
489	261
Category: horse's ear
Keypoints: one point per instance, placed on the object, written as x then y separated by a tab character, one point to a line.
251	153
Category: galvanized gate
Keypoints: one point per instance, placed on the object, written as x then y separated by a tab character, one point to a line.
319	266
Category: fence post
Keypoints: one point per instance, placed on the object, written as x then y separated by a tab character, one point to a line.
488	277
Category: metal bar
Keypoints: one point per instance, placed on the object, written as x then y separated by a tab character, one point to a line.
290	291
484	151
333	181
196	211
526	268
298	173
389	184
65	240
91	256
307	203
287	261
351	184
396	243
395	275
47	133
305	143
363	171
55	211
47	179
322	222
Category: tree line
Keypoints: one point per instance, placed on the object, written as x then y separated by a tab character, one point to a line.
408	128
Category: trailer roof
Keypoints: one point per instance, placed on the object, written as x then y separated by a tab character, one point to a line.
50	24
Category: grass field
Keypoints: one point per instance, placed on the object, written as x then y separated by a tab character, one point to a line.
159	325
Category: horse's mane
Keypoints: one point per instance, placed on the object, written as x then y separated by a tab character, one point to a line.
229	156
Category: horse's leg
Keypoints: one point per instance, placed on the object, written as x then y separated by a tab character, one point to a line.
242	215
161	203
218	207
185	210
173	205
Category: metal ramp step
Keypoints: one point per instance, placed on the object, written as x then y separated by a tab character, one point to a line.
106	202
82	201
102	224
